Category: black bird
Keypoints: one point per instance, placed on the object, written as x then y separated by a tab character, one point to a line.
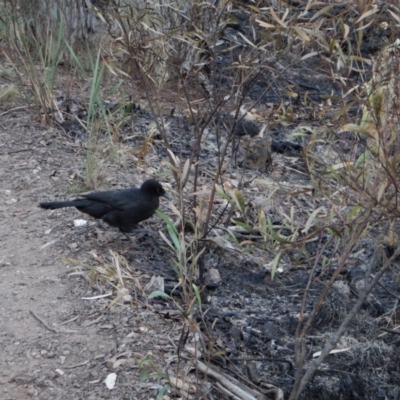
120	208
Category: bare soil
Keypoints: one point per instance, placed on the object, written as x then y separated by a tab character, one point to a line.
55	344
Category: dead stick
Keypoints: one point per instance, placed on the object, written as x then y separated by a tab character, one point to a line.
16	151
43	322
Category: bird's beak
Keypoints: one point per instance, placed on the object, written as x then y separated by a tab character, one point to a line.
167	196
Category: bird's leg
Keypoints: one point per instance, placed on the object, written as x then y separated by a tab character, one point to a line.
145	231
126	235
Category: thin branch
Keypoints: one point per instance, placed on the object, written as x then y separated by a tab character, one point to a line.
331	344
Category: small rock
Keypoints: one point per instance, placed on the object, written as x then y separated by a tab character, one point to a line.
110	380
212	278
269	331
30	390
11	201
80	222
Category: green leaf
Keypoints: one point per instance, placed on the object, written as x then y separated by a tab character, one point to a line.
362	158
246	227
274	235
174	237
239	199
172	231
166	240
161	393
311	219
197	294
143	374
262	223
355	210
76	59
166	219
171	167
232	235
198	255
274	265
158	293
221	192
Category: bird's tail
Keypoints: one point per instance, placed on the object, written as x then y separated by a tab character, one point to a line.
53	205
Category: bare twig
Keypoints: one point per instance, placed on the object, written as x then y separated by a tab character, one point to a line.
76	365
331	344
46	325
16	151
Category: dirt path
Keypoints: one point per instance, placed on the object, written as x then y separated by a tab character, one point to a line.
34	279
68	358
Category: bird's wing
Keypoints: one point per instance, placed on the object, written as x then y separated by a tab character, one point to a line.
117	199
